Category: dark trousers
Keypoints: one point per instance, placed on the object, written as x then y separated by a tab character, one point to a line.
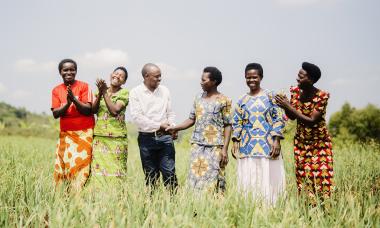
158	155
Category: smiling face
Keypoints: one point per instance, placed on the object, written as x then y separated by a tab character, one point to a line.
253	79
303	79
206	83
118	78
152	78
68	73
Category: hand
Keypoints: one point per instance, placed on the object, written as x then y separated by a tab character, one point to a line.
102	86
174	135
282	101
164	126
70	95
224	158
276	149
235	149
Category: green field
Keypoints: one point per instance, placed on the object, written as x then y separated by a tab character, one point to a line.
27	196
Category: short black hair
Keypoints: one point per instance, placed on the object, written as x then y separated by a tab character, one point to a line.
312	71
215	74
123	69
63	61
255	66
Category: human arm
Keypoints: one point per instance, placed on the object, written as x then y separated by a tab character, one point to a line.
184	125
227	138
119	105
58	109
237	126
227	121
292	112
101	86
61	111
84	108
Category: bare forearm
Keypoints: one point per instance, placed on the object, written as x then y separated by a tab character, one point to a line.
185	124
83	108
227	136
58	112
313	119
113	108
95	105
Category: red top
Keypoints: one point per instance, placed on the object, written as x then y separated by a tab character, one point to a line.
73	120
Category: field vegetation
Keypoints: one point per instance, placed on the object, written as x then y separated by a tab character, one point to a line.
28	198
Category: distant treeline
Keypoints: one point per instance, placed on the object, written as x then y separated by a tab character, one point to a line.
347	124
19	121
356	124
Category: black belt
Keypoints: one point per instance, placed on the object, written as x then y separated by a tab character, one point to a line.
154	134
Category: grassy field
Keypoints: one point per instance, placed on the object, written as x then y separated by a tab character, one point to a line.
27	196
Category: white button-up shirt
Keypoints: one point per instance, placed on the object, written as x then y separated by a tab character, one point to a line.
150	109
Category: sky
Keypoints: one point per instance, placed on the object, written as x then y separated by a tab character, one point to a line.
342	37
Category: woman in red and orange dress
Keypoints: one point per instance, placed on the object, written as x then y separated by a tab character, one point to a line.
71	102
312	143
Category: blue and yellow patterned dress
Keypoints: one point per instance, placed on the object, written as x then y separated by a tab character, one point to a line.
211	116
256	121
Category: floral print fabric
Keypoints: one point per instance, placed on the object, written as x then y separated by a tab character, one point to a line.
210	118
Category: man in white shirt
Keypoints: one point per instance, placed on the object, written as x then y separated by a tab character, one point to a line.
150	108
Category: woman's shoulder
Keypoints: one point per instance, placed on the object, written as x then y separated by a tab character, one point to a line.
123	91
224	98
59	87
323	94
294	89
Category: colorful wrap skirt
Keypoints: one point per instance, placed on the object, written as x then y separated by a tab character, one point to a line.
73	158
205	172
109	157
314	167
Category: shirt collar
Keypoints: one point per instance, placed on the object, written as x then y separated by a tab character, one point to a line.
146	90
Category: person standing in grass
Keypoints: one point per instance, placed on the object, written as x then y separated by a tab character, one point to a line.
258	126
150	108
211	114
71	102
312	143
110	146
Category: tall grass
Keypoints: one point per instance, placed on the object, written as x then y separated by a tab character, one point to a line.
27	196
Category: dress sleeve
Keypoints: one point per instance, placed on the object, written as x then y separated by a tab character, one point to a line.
293	95
237	122
55	101
123	97
85	95
321	102
192	115
226	112
278	119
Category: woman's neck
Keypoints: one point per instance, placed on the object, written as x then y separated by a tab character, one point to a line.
114	89
212	92
254	91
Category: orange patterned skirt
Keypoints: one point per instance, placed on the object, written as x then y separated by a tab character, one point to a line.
73	158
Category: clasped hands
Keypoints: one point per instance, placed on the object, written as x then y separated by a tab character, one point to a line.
70	95
165	127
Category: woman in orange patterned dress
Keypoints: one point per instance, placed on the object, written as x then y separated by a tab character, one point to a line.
71	102
312	143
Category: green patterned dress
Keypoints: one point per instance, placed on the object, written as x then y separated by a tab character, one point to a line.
110	145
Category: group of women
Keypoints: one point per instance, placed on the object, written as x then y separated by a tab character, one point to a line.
256	124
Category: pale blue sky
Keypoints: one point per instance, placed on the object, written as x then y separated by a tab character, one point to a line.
341	36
